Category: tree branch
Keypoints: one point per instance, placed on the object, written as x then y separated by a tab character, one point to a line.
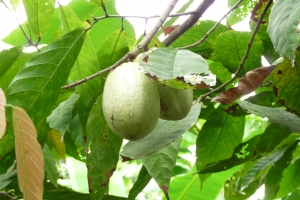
188	23
136	50
241	65
30	42
213	28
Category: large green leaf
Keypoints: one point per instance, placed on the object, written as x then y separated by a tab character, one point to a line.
83	10
195	33
60	118
7	142
113	48
236	44
49	165
218	138
274	175
103	28
167	64
8	76
104	148
86	63
261	165
290	180
39	14
239	14
8	177
8	57
241	154
161	163
37	86
188	187
286	80
164	133
286	120
141	182
283	27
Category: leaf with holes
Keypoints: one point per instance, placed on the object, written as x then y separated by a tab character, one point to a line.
183	66
39	14
29	156
286	81
243	11
161	163
283	27
104	148
164	133
37	85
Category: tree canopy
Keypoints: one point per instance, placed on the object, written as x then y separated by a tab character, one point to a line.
240	132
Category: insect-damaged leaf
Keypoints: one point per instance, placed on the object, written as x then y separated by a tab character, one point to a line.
247	84
2	113
30	161
103	149
179	68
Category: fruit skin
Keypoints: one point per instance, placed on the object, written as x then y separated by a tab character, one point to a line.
175	103
130	102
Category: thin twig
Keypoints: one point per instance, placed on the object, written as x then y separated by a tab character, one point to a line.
6	194
213	28
188	23
241	65
31	43
136	50
144	17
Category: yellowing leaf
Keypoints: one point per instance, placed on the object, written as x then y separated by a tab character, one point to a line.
2	113
55	140
30	161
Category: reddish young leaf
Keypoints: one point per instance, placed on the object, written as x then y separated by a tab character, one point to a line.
247	84
168	30
29	156
2	113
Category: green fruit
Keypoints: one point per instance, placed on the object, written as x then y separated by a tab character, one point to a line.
130	102
175	104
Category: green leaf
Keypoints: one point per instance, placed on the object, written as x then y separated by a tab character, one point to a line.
8	57
8	177
86	63
274	175
236	44
141	182
7	142
283	27
161	163
285	80
83	10
196	33
39	14
218	137
239	14
104	28
241	154
164	133
15	4
188	187
284	119
113	48
8	76
76	132
293	196
221	72
261	165
290	180
266	98
104	148
37	86
61	117
167	64
49	165
100	2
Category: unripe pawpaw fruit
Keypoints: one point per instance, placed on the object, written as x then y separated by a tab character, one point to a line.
131	104
175	104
